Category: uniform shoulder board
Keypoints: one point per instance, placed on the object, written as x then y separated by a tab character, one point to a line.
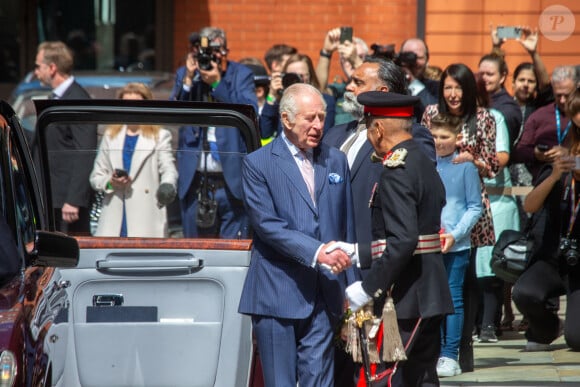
395	158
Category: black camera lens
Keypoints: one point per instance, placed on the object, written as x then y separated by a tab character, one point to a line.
572	258
204	61
406	59
289	79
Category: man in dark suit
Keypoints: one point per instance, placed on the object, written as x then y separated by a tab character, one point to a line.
374	74
406	218
212	155
298	198
71	147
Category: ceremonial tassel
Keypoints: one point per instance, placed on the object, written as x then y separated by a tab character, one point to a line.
393	349
352	342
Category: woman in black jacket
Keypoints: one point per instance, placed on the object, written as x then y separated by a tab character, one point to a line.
556	270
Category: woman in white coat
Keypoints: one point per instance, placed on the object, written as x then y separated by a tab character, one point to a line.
135	168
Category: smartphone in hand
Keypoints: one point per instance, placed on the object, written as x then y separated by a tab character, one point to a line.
509	32
120	173
345	34
543	147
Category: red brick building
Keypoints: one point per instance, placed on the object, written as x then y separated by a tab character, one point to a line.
455	30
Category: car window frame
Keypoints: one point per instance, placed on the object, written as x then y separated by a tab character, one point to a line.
237	116
13	141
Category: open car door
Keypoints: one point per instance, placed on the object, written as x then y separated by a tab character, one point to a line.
151	311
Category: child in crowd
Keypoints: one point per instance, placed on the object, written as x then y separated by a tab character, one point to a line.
461	212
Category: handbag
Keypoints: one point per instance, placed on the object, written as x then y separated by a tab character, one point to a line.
511	254
514	250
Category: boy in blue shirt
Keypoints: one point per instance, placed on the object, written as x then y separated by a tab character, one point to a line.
461	212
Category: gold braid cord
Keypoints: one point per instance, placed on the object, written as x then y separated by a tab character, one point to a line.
363	319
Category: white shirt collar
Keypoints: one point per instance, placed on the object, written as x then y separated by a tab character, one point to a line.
294	150
60	89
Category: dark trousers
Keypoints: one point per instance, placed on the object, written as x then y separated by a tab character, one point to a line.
491	289
532	293
81	227
470	307
344	369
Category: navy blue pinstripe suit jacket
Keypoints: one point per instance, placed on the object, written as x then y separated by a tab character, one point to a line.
288	229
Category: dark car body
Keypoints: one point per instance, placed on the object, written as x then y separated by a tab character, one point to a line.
32	297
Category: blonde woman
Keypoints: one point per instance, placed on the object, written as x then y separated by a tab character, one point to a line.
135	168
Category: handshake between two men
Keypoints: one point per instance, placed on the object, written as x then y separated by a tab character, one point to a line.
338	256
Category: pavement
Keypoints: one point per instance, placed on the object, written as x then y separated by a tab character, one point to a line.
505	363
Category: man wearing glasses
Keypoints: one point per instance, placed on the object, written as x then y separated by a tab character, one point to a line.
69	168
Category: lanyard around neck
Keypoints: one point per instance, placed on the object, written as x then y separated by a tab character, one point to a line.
561	136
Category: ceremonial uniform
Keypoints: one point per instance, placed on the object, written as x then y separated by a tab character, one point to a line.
406	218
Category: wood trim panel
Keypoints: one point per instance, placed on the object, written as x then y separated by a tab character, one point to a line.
163	243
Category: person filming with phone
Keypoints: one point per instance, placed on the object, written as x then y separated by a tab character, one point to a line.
547	131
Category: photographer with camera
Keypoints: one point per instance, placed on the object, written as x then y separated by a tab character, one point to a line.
209	159
555	270
414	58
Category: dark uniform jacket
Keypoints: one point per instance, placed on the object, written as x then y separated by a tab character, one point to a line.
408	203
364	174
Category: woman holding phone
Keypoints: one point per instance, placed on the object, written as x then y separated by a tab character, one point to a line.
555	269
135	169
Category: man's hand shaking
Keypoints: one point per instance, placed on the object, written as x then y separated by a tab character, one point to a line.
334	258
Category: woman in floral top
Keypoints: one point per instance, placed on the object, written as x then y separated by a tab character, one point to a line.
458	96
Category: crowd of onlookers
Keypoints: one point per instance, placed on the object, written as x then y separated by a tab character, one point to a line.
463	118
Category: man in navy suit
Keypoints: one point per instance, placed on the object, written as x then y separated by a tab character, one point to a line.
71	147
374	74
298	199
212	155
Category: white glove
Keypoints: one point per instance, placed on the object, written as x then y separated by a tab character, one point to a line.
356	296
351	249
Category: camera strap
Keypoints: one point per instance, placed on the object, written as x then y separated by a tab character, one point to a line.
574	206
204	189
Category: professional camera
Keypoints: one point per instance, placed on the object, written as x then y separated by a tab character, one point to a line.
386	51
262	80
569	251
289	79
207	53
406	59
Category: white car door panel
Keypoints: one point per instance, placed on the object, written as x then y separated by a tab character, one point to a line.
152	311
